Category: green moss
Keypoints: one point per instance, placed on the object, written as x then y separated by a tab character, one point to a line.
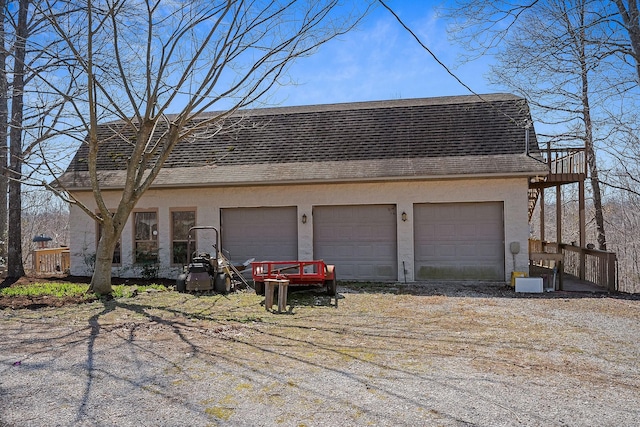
219	412
244	386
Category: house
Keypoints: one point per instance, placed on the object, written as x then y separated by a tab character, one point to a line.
401	190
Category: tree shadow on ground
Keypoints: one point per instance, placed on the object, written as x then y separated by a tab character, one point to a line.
306	297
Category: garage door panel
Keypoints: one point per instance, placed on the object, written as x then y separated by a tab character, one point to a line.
470	230
347	270
428	251
265	233
385	252
459	241
445	251
468	251
445	232
429	231
359	239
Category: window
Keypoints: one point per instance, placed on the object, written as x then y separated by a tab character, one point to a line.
145	229
181	222
117	254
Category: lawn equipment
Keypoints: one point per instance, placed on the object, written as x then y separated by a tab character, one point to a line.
205	271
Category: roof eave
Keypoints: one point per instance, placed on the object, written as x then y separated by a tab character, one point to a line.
379	170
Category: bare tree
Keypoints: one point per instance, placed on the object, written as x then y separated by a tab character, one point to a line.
630	17
15	268
558	54
156	66
26	113
4	120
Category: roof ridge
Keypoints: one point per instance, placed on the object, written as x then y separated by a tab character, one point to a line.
375	104
354	105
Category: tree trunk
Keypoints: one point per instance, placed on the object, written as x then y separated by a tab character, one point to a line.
15	267
588	143
597	203
101	279
4	119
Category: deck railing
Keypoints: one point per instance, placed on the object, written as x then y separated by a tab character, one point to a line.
591	265
51	260
565	160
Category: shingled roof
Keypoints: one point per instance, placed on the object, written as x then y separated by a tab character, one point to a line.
427	137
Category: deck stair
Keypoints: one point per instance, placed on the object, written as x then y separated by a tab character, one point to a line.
534	193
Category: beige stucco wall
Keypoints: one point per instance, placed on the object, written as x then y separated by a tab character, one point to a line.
208	201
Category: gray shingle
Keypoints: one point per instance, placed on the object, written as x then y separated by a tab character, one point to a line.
358	139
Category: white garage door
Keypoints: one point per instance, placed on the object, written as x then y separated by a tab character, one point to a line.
359	240
266	234
459	241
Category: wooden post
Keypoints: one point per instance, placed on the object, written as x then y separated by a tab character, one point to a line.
559	233
558	215
611	269
542	215
560	268
269	289
283	285
581	219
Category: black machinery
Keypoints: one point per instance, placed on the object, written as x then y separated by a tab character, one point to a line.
206	272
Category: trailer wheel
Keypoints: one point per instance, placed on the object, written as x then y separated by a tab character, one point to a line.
332	285
222	283
259	286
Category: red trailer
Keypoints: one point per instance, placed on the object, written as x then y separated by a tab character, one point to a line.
298	273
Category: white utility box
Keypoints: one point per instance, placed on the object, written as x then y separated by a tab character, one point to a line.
529	284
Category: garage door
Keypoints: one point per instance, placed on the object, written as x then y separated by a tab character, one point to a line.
266	234
459	241
359	240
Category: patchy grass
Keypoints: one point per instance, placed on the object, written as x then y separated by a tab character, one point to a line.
61	290
54	289
127	291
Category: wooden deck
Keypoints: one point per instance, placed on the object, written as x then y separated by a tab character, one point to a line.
566	166
573	284
570	283
581	268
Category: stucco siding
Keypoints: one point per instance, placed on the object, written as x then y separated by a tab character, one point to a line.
512	192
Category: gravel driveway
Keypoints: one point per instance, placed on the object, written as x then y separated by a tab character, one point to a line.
416	355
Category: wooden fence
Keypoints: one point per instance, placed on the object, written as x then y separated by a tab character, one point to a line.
50	260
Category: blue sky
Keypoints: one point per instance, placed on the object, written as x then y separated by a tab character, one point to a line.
380	60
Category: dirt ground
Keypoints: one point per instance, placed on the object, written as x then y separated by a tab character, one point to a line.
447	354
